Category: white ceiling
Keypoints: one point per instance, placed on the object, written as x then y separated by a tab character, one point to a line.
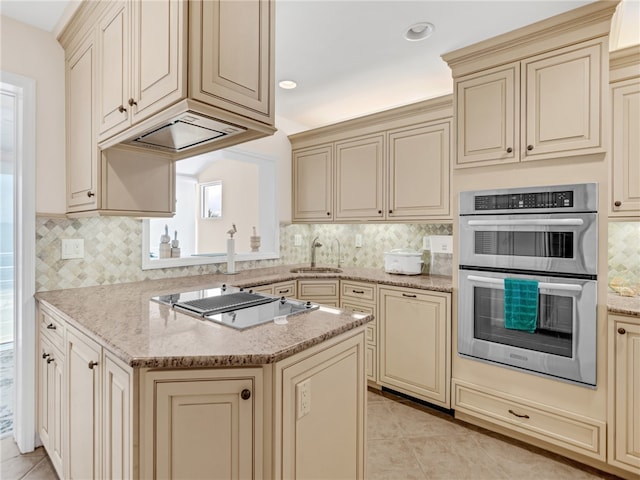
349	57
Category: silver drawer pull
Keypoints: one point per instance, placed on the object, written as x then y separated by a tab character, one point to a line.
517	414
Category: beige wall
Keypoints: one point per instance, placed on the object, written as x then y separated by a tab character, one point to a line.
36	54
239	205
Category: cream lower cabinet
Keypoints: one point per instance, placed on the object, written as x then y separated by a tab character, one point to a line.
624	393
85	418
50	405
324	292
202	423
415	343
360	297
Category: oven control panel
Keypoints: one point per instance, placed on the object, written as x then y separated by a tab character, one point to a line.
517	201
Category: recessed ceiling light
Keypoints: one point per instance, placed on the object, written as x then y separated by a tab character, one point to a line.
419	31
287	84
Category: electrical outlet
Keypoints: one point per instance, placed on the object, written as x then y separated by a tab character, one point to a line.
426	244
442	244
297	240
303	395
72	248
358	241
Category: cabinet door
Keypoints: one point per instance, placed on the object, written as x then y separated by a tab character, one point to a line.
359	178
415	343
312	173
419	172
82	153
159	52
117	419
625	186
231	56
626	436
50	402
561	104
84	407
487	109
204	427
113	70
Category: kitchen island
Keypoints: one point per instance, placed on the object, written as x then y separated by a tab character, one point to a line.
131	388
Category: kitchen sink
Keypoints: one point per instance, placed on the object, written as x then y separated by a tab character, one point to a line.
316	270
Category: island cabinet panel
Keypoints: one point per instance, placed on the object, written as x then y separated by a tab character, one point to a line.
359	178
624	393
415	343
83	390
321	434
312	176
202	424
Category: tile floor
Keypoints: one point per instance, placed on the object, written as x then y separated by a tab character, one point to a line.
405	441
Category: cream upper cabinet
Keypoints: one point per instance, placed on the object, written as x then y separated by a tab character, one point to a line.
562	104
547	106
141	52
230	56
419	172
624	387
359	180
487	109
625	148
389	166
535	93
415	343
312	175
82	152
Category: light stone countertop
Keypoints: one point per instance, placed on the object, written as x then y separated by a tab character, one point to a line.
623	305
144	333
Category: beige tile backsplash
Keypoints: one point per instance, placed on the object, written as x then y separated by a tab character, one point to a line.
113	250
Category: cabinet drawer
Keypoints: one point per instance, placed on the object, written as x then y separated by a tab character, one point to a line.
287	289
360	291
52	328
357	308
318	288
574	432
268	289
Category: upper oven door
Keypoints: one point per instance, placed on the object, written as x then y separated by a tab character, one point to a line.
563	243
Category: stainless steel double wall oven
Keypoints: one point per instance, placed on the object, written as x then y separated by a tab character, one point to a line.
546	234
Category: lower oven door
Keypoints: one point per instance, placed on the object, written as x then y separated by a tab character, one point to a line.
563	344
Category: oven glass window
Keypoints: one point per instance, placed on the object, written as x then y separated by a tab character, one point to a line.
554	333
525	244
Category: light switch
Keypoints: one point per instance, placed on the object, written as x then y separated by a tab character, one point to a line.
72	248
358	241
297	240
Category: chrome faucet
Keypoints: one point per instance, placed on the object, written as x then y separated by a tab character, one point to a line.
338	241
315	244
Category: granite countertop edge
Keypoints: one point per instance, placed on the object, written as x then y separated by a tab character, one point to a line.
617	304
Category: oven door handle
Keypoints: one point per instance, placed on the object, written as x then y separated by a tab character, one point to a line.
547	286
551	222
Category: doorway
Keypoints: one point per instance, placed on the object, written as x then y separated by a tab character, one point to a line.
17	259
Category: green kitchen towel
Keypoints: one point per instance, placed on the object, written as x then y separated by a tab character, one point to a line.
520	304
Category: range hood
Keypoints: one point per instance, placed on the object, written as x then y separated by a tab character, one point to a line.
185	131
188	128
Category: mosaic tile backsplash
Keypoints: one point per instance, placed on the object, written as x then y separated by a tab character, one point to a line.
113	250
